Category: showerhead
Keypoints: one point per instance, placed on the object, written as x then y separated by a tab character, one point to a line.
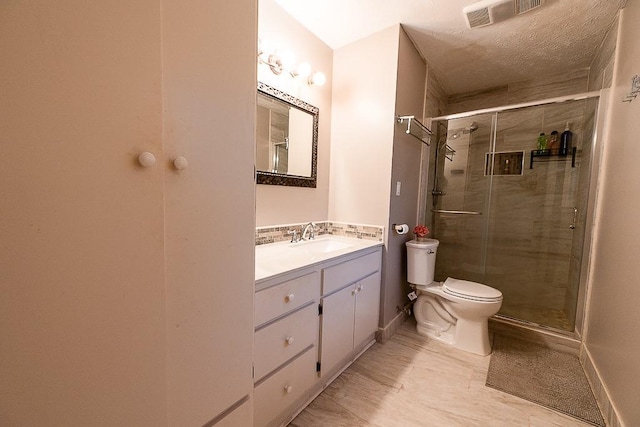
457	133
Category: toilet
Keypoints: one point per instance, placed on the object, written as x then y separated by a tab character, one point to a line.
455	311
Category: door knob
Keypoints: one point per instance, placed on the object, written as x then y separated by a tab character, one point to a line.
146	159
180	163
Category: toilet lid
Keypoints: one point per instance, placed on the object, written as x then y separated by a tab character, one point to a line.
471	290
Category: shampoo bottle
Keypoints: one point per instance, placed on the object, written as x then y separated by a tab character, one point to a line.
565	141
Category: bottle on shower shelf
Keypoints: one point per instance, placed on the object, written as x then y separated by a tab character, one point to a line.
565	141
553	140
542	142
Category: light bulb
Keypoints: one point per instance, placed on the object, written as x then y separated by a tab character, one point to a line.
287	58
318	79
304	69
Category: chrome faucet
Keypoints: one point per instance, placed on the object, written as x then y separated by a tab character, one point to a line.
311	229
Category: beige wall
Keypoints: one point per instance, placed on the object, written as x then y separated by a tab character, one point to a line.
277	204
370	153
405	168
613	319
364	93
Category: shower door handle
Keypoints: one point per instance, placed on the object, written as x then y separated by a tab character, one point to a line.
575	218
446	211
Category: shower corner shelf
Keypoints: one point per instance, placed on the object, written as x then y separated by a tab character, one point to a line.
541	155
415	128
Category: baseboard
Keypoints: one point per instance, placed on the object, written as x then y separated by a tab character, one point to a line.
599	390
383	334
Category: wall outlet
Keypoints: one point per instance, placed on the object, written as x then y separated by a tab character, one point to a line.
398	186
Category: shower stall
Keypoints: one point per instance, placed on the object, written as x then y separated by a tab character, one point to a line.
511	215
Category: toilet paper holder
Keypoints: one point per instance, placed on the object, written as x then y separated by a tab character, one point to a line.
400	228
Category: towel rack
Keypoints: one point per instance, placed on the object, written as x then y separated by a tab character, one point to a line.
415	128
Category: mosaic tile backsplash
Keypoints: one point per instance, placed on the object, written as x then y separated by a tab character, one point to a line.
280	233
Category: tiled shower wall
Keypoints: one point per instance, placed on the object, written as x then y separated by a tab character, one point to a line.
280	233
544	87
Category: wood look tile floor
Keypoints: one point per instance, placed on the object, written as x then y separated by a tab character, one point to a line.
414	381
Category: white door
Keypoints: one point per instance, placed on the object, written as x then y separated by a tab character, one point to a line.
209	206
337	328
367	309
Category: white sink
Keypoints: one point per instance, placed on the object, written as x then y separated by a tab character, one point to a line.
276	258
322	245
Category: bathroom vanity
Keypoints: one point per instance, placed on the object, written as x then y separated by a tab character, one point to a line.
316	310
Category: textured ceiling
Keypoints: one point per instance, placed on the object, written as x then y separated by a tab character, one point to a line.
560	35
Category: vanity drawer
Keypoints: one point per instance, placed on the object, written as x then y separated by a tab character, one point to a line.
285	297
341	275
280	341
282	389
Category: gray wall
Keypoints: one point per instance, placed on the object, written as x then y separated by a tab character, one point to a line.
405	169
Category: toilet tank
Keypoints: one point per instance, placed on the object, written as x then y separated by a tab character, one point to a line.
421	261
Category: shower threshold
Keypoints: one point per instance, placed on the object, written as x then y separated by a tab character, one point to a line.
567	341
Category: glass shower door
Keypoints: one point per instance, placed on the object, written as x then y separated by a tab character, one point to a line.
532	217
460	196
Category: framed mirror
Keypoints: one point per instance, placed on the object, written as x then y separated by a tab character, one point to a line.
286	139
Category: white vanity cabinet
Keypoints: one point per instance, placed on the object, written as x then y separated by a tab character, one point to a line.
350	309
285	342
309	323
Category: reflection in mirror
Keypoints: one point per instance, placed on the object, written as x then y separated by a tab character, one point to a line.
286	139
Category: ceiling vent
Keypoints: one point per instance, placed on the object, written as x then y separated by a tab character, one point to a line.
487	12
523	6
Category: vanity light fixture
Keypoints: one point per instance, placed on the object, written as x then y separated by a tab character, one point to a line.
283	60
303	70
318	79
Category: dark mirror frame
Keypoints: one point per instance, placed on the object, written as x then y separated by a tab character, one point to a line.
270	178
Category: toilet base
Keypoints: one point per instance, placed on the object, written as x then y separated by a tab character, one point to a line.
473	336
469	336
433	331
434	319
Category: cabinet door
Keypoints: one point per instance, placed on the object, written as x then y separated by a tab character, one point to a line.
81	254
337	327
367	310
209	207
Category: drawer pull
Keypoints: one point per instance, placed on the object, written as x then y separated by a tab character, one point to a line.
289	297
288	389
354	291
289	340
360	288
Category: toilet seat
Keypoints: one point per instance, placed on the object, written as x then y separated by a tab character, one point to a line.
470	290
